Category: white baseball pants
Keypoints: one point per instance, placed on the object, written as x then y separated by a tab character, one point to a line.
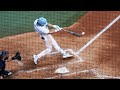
49	41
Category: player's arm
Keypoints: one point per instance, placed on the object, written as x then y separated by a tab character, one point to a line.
53	28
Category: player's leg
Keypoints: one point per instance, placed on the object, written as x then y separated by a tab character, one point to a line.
6	73
48	49
57	47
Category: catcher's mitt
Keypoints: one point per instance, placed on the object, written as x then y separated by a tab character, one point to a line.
17	56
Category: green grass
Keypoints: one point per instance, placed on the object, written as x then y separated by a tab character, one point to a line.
17	22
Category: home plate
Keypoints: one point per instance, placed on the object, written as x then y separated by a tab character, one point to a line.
62	70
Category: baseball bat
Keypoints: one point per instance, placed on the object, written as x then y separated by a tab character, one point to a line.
73	33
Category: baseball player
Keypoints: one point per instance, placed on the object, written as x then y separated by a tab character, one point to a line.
3	57
45	29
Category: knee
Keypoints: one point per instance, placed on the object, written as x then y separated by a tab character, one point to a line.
49	50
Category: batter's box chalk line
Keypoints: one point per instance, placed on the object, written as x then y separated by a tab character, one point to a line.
85	71
91	41
19	62
47	68
79	51
71	51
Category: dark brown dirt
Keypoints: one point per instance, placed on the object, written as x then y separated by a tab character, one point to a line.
102	55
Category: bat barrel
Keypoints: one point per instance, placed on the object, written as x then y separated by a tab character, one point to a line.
73	33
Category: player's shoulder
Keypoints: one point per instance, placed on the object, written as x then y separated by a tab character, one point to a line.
35	21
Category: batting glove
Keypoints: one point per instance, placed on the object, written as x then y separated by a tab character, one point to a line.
57	28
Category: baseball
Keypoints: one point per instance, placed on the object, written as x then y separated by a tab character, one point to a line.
83	33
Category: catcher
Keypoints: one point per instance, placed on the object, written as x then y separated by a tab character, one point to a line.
3	58
45	29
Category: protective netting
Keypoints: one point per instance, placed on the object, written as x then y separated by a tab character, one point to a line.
100	58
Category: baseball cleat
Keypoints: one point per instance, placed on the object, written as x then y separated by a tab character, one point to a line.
35	59
10	73
67	55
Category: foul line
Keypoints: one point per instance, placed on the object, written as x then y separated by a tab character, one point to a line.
97	74
95	37
98	35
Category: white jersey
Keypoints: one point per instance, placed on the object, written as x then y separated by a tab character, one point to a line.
49	41
42	30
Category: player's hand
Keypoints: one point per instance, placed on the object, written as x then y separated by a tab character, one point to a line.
60	28
57	28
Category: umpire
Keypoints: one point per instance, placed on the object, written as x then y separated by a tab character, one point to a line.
3	57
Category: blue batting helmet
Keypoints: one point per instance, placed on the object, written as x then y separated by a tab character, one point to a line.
42	21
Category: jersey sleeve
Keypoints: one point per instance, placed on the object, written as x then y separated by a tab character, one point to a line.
35	25
45	31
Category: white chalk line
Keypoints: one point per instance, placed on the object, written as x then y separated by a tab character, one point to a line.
71	51
19	62
104	76
68	63
99	76
60	65
95	37
68	74
45	68
33	70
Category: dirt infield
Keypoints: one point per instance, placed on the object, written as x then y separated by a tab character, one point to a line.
100	59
